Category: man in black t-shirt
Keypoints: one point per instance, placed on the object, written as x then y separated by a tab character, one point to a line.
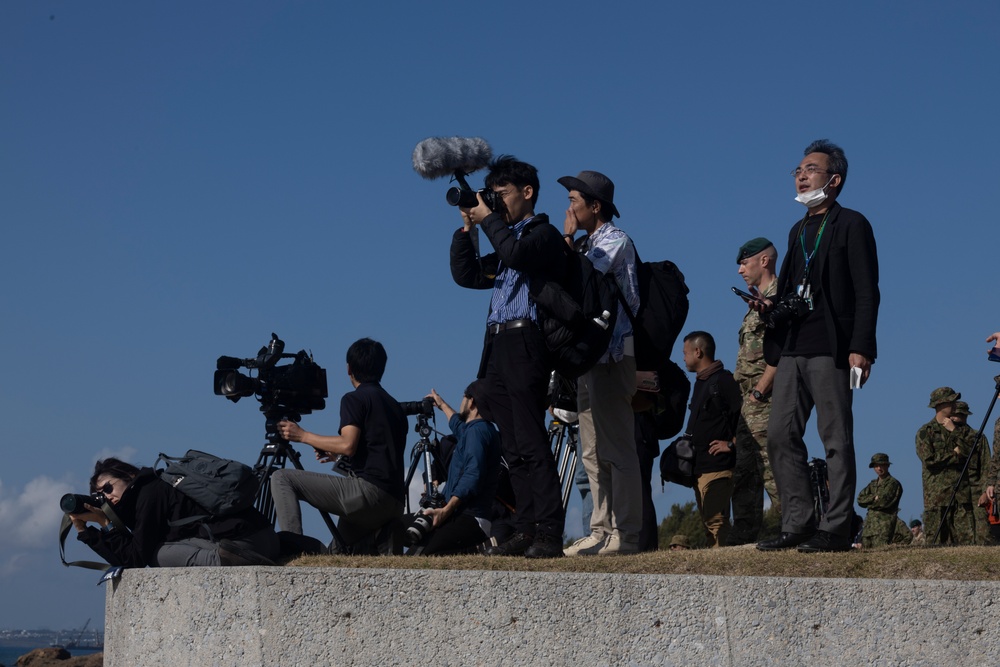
821	336
371	441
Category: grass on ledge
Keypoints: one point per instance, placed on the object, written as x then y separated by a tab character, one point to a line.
950	563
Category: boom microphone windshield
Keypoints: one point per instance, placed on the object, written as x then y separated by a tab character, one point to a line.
438	157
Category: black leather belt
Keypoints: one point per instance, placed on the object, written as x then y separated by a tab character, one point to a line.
494	329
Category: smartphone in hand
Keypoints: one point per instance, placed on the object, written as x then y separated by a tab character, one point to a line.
746	296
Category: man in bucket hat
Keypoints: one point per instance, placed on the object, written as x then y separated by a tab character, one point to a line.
942	451
881	499
604	393
978	471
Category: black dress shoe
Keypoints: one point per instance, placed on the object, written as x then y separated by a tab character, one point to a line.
824	541
545	546
783	541
516	545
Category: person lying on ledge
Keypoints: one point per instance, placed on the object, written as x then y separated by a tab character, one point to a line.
148	528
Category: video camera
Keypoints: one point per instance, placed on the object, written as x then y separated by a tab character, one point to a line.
297	388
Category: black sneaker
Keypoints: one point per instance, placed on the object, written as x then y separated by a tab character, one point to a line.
545	546
515	545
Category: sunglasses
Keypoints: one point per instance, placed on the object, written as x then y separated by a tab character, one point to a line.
106	489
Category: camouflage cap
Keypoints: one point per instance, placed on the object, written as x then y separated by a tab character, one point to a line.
943	395
962	408
879	459
752	247
680	541
915	523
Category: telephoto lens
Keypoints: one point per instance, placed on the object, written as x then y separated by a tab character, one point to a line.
420	528
73	503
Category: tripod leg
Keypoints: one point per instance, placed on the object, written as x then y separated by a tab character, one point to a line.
275	457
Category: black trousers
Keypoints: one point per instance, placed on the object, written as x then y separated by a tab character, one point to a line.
517	373
461	534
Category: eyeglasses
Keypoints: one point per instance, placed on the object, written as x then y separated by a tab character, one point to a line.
809	169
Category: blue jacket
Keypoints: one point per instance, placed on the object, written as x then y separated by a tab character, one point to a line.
475	465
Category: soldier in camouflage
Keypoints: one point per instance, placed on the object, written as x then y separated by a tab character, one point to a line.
881	499
978	470
757	260
942	451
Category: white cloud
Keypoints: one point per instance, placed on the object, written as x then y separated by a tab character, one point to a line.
29	519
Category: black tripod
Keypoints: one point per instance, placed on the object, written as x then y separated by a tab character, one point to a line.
275	454
425	450
968	461
563	439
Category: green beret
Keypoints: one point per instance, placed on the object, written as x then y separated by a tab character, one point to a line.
879	459
915	523
752	247
943	395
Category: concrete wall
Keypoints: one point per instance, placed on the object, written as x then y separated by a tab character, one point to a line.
325	616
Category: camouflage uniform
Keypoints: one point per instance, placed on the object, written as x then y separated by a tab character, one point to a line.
978	472
881	499
752	475
942	467
902	534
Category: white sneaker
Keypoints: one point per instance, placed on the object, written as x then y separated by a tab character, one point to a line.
591	543
615	547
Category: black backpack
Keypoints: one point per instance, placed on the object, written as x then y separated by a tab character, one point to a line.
221	487
578	316
663	309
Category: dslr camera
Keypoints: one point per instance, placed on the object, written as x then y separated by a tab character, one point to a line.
73	503
790	308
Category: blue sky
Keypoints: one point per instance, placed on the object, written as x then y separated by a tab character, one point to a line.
179	180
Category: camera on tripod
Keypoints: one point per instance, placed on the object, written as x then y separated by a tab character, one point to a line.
295	389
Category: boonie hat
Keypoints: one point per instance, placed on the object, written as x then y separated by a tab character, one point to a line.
943	395
680	541
962	408
879	459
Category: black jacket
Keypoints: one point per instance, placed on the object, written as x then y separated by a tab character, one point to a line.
146	508
845	277
540	253
715	413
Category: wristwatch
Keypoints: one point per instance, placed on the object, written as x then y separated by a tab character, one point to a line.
757	396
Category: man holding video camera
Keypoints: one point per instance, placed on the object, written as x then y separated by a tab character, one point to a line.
464	521
371	441
821	336
515	364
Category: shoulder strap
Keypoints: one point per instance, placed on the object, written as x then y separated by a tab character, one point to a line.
64	529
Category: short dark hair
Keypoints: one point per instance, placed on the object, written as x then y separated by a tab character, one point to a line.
366	360
112	467
508	170
837	159
703	341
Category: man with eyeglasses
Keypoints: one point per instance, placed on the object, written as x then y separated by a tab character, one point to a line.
515	360
822	339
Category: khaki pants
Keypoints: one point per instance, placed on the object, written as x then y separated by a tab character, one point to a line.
713	491
607	442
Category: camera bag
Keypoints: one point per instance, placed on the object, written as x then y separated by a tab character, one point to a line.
677	462
220	486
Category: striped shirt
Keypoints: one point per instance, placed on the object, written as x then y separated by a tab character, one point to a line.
510	291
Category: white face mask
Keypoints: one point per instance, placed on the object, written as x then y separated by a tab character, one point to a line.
813	198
